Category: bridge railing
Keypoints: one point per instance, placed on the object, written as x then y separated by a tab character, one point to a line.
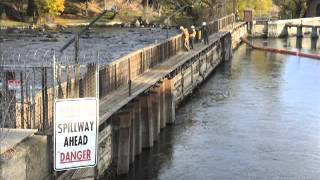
121	71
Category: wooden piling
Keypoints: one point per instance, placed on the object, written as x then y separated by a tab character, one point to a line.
155	93
123	163
138	128
169	101
147	121
163	116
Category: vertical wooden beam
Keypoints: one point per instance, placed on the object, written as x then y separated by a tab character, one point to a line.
138	127
170	101
162	106
123	163
131	109
22	100
156	112
115	124
147	119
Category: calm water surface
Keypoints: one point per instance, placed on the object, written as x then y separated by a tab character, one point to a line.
257	117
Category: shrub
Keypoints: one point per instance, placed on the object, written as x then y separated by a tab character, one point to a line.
52	7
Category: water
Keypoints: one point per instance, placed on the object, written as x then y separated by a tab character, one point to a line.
110	43
255	118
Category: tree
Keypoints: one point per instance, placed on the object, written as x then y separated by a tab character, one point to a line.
31	8
292	8
86	4
52	7
259	6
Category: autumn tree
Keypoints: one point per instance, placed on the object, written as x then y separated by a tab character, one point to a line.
52	7
86	2
258	6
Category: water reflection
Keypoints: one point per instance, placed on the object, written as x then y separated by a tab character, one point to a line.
314	43
299	43
306	44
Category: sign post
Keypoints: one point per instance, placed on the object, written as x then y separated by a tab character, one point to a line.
75	133
1	85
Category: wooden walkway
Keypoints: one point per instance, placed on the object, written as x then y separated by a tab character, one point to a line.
114	101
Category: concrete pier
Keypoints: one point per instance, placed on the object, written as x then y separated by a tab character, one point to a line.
314	33
299	31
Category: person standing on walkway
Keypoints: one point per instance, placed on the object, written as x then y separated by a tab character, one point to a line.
185	34
193	35
205	33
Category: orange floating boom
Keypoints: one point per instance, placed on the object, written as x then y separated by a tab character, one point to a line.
282	51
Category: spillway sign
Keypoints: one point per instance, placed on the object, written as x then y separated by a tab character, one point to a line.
75	133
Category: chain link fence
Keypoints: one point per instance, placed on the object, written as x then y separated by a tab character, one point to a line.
26	86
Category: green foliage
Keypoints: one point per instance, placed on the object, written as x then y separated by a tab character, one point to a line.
197	10
258	6
52	7
292	8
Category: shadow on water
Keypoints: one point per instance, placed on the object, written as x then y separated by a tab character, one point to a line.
150	161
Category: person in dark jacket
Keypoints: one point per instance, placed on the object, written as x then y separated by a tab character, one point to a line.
205	33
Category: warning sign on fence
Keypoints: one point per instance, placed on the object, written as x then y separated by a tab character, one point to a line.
75	133
14	84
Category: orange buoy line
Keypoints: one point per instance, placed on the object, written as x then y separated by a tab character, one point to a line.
282	51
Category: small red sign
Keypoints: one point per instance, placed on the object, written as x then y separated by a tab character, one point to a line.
14	84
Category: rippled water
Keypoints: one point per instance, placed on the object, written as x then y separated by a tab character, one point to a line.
110	43
257	117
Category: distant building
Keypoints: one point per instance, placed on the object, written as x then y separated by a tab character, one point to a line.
313	8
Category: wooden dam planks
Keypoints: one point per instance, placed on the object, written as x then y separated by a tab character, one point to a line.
114	101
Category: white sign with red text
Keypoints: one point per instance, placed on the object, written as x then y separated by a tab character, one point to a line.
75	133
14	84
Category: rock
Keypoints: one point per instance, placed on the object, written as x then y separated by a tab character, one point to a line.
137	23
49	40
146	23
12	30
50	36
126	25
61	28
42	29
